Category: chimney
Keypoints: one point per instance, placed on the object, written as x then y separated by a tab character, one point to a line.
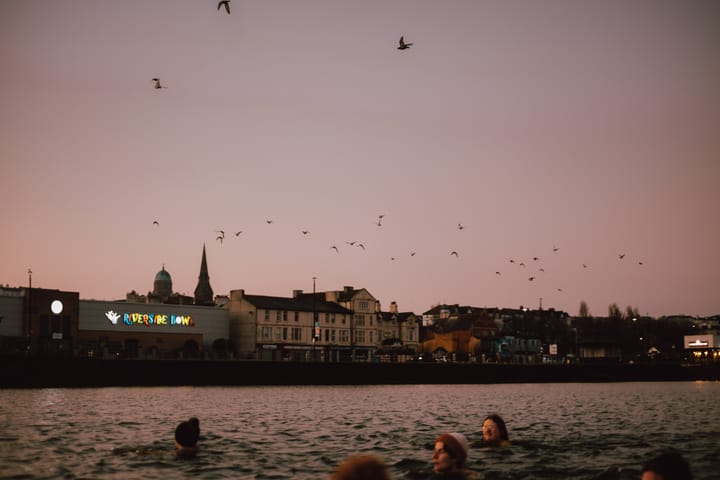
393	307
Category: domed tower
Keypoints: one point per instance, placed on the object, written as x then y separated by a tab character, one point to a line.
203	291
163	284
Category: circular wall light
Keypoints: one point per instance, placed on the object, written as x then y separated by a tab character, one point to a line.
56	307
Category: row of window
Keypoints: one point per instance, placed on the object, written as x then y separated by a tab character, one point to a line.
329	318
330	335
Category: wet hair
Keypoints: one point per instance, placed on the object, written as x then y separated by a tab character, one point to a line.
500	424
361	467
456	446
671	466
187	433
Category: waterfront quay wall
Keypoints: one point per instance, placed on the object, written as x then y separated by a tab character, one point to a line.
80	372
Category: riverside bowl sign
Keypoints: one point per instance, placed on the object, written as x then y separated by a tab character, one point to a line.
150	319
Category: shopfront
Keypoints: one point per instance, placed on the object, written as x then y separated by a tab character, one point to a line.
149	330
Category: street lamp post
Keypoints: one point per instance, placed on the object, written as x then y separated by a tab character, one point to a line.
29	315
315	321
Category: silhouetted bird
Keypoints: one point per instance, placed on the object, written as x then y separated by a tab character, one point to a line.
221	232
555	249
155	222
157	83
531	278
535	259
542	269
512	261
305	232
379	222
220	237
454	253
584	266
237	234
641	263
268	222
412	254
403	45
226	4
621	256
351	243
522	264
336	249
498	273
361	246
460	226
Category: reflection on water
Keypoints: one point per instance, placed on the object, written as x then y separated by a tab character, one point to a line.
558	431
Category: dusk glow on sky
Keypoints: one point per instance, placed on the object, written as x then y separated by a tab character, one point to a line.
571	131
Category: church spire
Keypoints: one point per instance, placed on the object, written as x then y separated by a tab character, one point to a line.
203	291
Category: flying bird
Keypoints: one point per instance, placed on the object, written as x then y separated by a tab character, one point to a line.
237	234
454	253
522	264
555	249
351	243
641	263
220	237
403	45
221	232
460	226
226	4
531	278
336	249
584	266
379	222
621	256
412	254
361	246
268	222
157	83
535	259
498	273
305	232
155	222
512	261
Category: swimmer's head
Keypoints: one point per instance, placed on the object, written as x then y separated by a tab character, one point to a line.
187	434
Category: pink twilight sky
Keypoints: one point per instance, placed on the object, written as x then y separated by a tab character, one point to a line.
592	127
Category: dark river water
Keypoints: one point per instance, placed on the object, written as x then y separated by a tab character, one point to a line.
557	431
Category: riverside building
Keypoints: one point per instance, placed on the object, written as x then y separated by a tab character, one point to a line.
161	324
336	325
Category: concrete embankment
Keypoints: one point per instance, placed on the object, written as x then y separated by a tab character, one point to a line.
76	372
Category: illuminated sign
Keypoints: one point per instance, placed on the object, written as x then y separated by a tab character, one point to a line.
698	343
150	319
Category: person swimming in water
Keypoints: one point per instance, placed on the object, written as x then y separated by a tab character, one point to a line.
361	467
187	435
668	466
494	431
449	457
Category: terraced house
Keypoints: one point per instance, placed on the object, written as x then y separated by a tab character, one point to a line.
338	325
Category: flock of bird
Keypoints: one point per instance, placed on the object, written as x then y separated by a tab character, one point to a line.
220	237
402	45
